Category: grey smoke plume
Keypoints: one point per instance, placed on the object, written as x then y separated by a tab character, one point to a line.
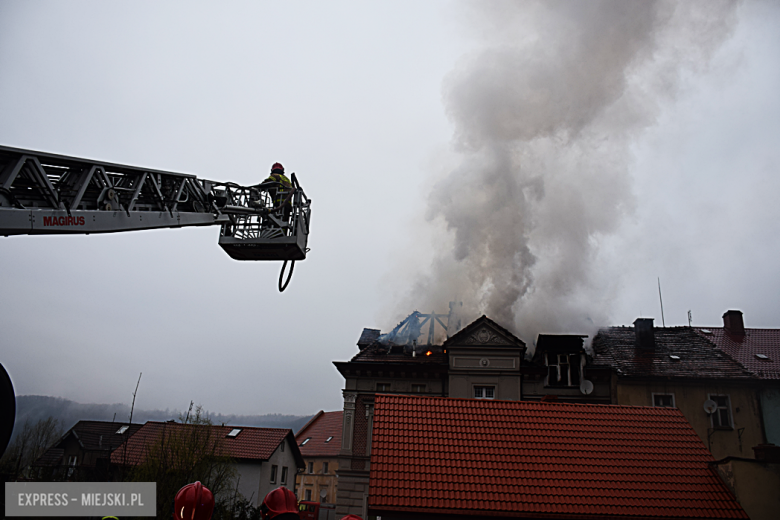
545	113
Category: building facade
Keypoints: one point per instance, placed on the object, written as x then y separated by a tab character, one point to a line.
84	452
724	401
481	361
758	350
264	458
320	443
677	367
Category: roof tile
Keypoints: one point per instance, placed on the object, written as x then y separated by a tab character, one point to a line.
540	458
250	443
746	349
319	429
698	359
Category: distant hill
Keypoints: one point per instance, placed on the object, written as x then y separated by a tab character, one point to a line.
32	408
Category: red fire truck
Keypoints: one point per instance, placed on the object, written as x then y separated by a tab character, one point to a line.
316	511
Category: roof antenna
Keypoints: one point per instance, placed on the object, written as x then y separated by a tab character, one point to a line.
663	322
689	317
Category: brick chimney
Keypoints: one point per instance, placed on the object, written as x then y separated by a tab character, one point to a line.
733	324
645	334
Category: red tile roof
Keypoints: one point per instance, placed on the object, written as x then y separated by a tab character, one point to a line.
435	455
318	430
745	348
250	443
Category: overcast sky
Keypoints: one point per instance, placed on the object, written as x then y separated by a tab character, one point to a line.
387	112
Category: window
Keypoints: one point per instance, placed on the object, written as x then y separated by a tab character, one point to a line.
122	430
234	433
663	400
284	475
329	439
418	389
325	468
72	463
722	416
383	387
307	439
283	443
311	467
563	369
307	495
273	474
484	392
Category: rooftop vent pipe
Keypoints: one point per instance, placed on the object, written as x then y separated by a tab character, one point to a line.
645	334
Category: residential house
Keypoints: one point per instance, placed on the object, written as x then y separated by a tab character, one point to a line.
437	458
674	367
677	367
265	458
83	453
754	480
379	367
320	442
758	350
481	361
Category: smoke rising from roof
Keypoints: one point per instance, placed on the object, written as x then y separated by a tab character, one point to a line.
545	113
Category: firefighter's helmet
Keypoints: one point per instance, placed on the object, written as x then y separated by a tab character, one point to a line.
277	167
193	502
280	504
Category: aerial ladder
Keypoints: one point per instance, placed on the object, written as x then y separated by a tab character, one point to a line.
47	194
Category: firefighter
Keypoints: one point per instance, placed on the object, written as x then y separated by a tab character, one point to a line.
280	504
193	502
279	194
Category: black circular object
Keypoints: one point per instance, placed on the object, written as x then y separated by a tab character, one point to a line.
7	409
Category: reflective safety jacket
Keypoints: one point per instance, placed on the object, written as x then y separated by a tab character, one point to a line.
279	194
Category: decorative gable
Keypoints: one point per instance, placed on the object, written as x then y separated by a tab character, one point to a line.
485	336
484	332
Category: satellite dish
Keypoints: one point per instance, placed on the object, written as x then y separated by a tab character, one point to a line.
586	387
710	406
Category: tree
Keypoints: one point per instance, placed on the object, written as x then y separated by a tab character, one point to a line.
28	446
186	452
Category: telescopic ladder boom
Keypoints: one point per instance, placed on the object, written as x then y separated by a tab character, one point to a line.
47	194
